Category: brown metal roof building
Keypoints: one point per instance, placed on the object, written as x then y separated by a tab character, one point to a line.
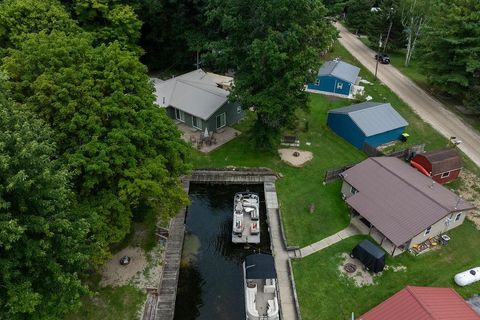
423	303
442	165
404	205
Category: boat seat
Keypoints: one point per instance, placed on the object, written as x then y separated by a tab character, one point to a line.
269	288
272	308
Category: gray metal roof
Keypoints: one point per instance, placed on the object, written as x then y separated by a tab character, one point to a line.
373	117
397	199
194	93
340	69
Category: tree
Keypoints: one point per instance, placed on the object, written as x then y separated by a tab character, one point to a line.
386	22
20	17
450	50
124	151
273	46
43	245
415	15
357	15
108	20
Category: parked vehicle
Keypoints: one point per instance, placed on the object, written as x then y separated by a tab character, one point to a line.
372	257
383	58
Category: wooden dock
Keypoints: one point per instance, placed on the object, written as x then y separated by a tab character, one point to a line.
160	304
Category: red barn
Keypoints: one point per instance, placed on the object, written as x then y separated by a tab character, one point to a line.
442	165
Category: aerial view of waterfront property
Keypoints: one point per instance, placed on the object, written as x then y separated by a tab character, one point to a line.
240	160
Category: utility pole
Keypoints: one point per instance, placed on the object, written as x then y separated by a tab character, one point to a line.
378	55
388	36
390	17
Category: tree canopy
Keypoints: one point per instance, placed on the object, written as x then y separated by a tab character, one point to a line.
273	47
123	150
450	50
43	244
20	17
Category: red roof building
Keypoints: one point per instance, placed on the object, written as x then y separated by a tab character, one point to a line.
442	165
423	303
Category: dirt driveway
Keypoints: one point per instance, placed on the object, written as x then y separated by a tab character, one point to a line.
428	108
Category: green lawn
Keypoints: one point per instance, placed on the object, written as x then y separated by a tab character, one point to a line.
119	303
324	294
301	186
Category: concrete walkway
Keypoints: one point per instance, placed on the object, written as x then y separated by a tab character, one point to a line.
287	293
328	241
428	108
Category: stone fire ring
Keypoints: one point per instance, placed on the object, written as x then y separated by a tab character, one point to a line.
295	157
350	267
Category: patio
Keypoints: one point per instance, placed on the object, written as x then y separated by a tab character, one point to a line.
383	241
207	144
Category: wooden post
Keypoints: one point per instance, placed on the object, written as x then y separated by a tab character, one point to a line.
394	248
369	231
381	242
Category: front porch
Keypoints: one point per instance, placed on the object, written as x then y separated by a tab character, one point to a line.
366	228
207	144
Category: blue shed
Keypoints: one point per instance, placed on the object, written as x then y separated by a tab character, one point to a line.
374	123
336	77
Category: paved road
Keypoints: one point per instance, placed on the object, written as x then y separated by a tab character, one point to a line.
428	108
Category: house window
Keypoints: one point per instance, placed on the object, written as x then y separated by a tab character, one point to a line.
221	120
340	85
317	82
458	216
445	174
179	115
239	109
428	230
353	190
196	123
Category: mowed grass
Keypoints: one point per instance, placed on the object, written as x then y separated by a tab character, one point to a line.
301	187
325	294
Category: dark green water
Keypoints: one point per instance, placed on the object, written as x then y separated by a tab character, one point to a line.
211	281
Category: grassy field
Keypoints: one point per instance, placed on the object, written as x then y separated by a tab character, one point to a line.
119	303
320	285
301	186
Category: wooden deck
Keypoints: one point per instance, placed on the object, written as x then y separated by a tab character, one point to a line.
160	304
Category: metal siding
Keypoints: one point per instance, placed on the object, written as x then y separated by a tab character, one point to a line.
342	125
384	137
231	114
327	83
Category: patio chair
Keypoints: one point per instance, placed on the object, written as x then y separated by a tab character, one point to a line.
193	139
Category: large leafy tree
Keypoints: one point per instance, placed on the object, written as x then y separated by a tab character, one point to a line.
124	151
385	21
273	47
450	50
43	244
358	13
20	17
108	21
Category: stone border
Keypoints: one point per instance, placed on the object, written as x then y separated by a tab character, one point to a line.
160	304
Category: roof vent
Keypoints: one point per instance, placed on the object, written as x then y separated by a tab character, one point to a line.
163	100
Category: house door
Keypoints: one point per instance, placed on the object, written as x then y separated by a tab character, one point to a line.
221	120
179	115
196	123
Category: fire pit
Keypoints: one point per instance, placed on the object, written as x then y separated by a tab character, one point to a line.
296	154
350	267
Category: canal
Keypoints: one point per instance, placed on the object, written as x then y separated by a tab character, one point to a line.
211	281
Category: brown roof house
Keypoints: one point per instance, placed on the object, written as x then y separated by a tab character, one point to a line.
442	165
402	207
422	303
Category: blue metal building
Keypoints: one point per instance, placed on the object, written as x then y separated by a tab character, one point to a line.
374	123
336	77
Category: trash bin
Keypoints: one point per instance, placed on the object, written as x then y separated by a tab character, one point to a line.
444	239
404	137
